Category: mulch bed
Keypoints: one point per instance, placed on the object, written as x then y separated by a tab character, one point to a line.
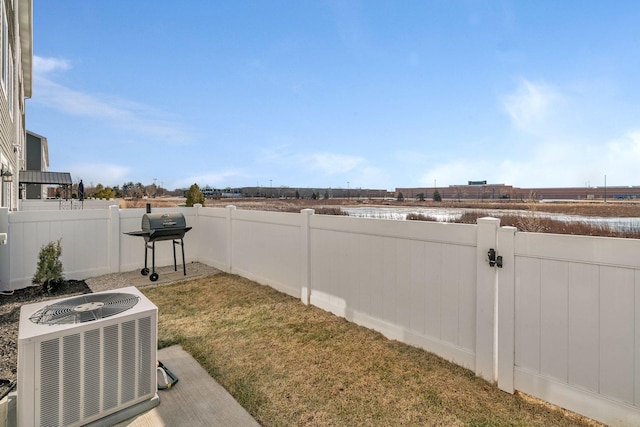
10	318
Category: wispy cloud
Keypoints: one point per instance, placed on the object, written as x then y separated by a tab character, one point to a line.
623	156
530	104
372	177
332	163
574	162
216	179
627	147
450	172
100	173
325	168
43	66
325	163
111	111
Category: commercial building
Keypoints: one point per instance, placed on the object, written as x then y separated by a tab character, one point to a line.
480	190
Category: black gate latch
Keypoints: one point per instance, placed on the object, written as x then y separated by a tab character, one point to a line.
493	259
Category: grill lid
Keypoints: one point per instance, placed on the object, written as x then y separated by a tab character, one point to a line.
163	221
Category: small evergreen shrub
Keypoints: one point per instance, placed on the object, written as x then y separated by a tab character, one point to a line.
194	195
49	270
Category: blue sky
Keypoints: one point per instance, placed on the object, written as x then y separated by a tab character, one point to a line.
369	94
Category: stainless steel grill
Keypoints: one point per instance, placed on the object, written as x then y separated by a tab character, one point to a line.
157	227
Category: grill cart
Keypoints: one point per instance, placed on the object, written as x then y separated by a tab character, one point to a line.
157	227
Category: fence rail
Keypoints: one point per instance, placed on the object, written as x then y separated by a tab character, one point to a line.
559	320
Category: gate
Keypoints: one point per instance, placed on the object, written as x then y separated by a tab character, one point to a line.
569	322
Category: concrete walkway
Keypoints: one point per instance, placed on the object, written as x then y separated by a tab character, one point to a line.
196	400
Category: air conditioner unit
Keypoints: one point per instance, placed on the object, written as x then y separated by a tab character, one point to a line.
83	358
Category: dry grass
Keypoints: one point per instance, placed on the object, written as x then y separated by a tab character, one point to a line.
538	224
155	203
596	208
290	364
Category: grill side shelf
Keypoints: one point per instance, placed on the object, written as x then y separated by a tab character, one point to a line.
137	233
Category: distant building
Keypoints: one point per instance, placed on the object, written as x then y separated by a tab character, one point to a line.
37	159
35	179
476	190
311	192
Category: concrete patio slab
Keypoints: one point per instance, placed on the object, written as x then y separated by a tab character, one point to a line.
166	276
196	400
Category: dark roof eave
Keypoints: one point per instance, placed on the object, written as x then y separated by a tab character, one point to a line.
25	17
40	177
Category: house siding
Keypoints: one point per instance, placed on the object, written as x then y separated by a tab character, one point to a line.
12	94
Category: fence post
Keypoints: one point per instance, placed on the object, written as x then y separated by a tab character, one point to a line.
5	264
229	266
197	230
506	308
114	239
486	284
305	293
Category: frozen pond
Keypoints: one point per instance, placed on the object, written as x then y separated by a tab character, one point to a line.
452	214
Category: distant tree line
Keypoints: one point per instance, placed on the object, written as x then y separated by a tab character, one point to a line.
131	190
128	190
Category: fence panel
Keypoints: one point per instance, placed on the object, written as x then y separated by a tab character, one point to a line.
92	241
577	317
83	235
267	248
412	281
214	237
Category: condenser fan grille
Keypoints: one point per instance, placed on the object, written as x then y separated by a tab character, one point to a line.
84	308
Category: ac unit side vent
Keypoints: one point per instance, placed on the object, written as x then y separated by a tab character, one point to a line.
92	379
71	381
145	357
111	364
128	389
71	378
50	369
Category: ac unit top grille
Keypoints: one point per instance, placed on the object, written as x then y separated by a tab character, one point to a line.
84	308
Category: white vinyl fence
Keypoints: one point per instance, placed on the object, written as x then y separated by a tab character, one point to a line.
412	281
559	320
64	204
93	242
569	315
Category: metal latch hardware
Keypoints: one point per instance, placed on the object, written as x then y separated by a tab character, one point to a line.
493	259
